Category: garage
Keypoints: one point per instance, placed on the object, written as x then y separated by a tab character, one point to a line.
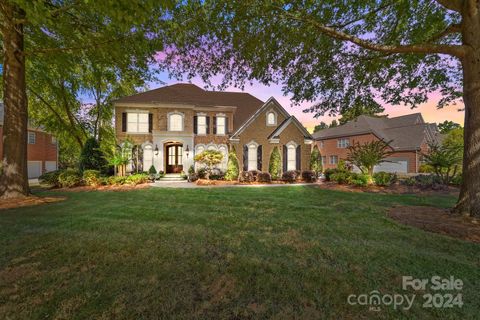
393	165
34	169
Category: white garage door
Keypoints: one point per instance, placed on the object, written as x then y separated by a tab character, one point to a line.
50	166
394	165
34	169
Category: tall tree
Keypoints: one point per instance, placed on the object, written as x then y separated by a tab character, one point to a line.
368	108
335	52
322	125
39	30
447	126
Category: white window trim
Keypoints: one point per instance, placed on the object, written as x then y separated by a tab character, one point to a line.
224	116
255	145
330	159
342	145
275	118
168	121
204	115
137	112
144	146
34	135
294	145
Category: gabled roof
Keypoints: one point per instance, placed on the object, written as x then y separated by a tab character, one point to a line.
276	133
264	107
406	132
187	93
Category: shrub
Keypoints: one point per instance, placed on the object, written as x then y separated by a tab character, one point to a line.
358	179
232	166
384	178
138	178
275	164
50	178
429	181
209	158
309	176
340	177
152	170
191	169
70	178
457	180
192	177
91	177
117	180
254	174
202	173
290	176
425	168
316	161
328	173
264	177
92	158
246	176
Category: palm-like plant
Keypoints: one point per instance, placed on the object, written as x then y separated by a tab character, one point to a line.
367	155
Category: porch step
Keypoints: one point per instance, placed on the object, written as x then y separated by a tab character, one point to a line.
172	177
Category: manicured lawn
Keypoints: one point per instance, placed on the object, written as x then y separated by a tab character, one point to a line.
294	252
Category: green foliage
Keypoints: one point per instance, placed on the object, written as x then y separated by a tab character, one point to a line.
92	177
264	177
275	164
152	170
50	178
384	178
322	125
92	157
424	181
191	169
334	124
69	178
209	158
316	160
117	180
340	177
425	168
232	166
446	160
358	179
352	112
447	126
367	155
329	172
135	179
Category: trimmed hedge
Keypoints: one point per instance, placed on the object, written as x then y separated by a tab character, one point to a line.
264	177
246	176
138	178
290	176
70	178
50	178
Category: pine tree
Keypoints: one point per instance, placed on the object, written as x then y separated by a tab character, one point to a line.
316	161
232	166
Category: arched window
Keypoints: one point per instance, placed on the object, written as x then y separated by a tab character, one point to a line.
252	156
147	157
271	118
175	122
291	156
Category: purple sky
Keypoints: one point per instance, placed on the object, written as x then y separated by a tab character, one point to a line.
428	110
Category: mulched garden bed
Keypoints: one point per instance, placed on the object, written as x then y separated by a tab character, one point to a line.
438	220
124	187
27	201
205	182
393	189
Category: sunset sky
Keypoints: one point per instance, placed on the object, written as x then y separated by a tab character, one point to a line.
429	110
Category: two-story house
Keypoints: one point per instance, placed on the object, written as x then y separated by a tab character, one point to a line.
174	123
408	135
42	149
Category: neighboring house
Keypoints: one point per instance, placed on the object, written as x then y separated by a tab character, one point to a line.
409	136
42	149
174	123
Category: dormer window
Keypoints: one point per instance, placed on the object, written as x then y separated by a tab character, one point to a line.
271	118
175	122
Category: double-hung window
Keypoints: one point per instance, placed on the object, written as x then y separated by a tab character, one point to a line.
175	122
137	122
343	143
333	159
221	125
201	125
32	137
291	157
252	157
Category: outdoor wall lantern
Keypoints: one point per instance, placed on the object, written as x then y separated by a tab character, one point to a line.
156	150
187	151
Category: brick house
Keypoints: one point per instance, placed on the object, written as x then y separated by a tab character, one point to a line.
42	149
174	123
409	136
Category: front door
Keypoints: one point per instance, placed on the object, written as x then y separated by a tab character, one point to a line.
174	154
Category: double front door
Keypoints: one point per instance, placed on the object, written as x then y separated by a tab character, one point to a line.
173	155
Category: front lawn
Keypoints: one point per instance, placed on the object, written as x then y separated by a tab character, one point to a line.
287	252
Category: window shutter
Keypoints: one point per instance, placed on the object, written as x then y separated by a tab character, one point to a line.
195	124
299	155
245	158
214	125
124	122
226	125
259	158
207	121
284	158
150	122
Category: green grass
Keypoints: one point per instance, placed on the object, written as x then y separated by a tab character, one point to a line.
292	252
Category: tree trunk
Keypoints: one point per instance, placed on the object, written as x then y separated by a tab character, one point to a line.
14	179
469	199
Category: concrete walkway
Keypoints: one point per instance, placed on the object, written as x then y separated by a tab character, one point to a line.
185	185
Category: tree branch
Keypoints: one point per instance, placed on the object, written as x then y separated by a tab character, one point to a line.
424	48
77	48
451	29
374	11
454	5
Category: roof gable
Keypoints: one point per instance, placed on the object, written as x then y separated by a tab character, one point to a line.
289	121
